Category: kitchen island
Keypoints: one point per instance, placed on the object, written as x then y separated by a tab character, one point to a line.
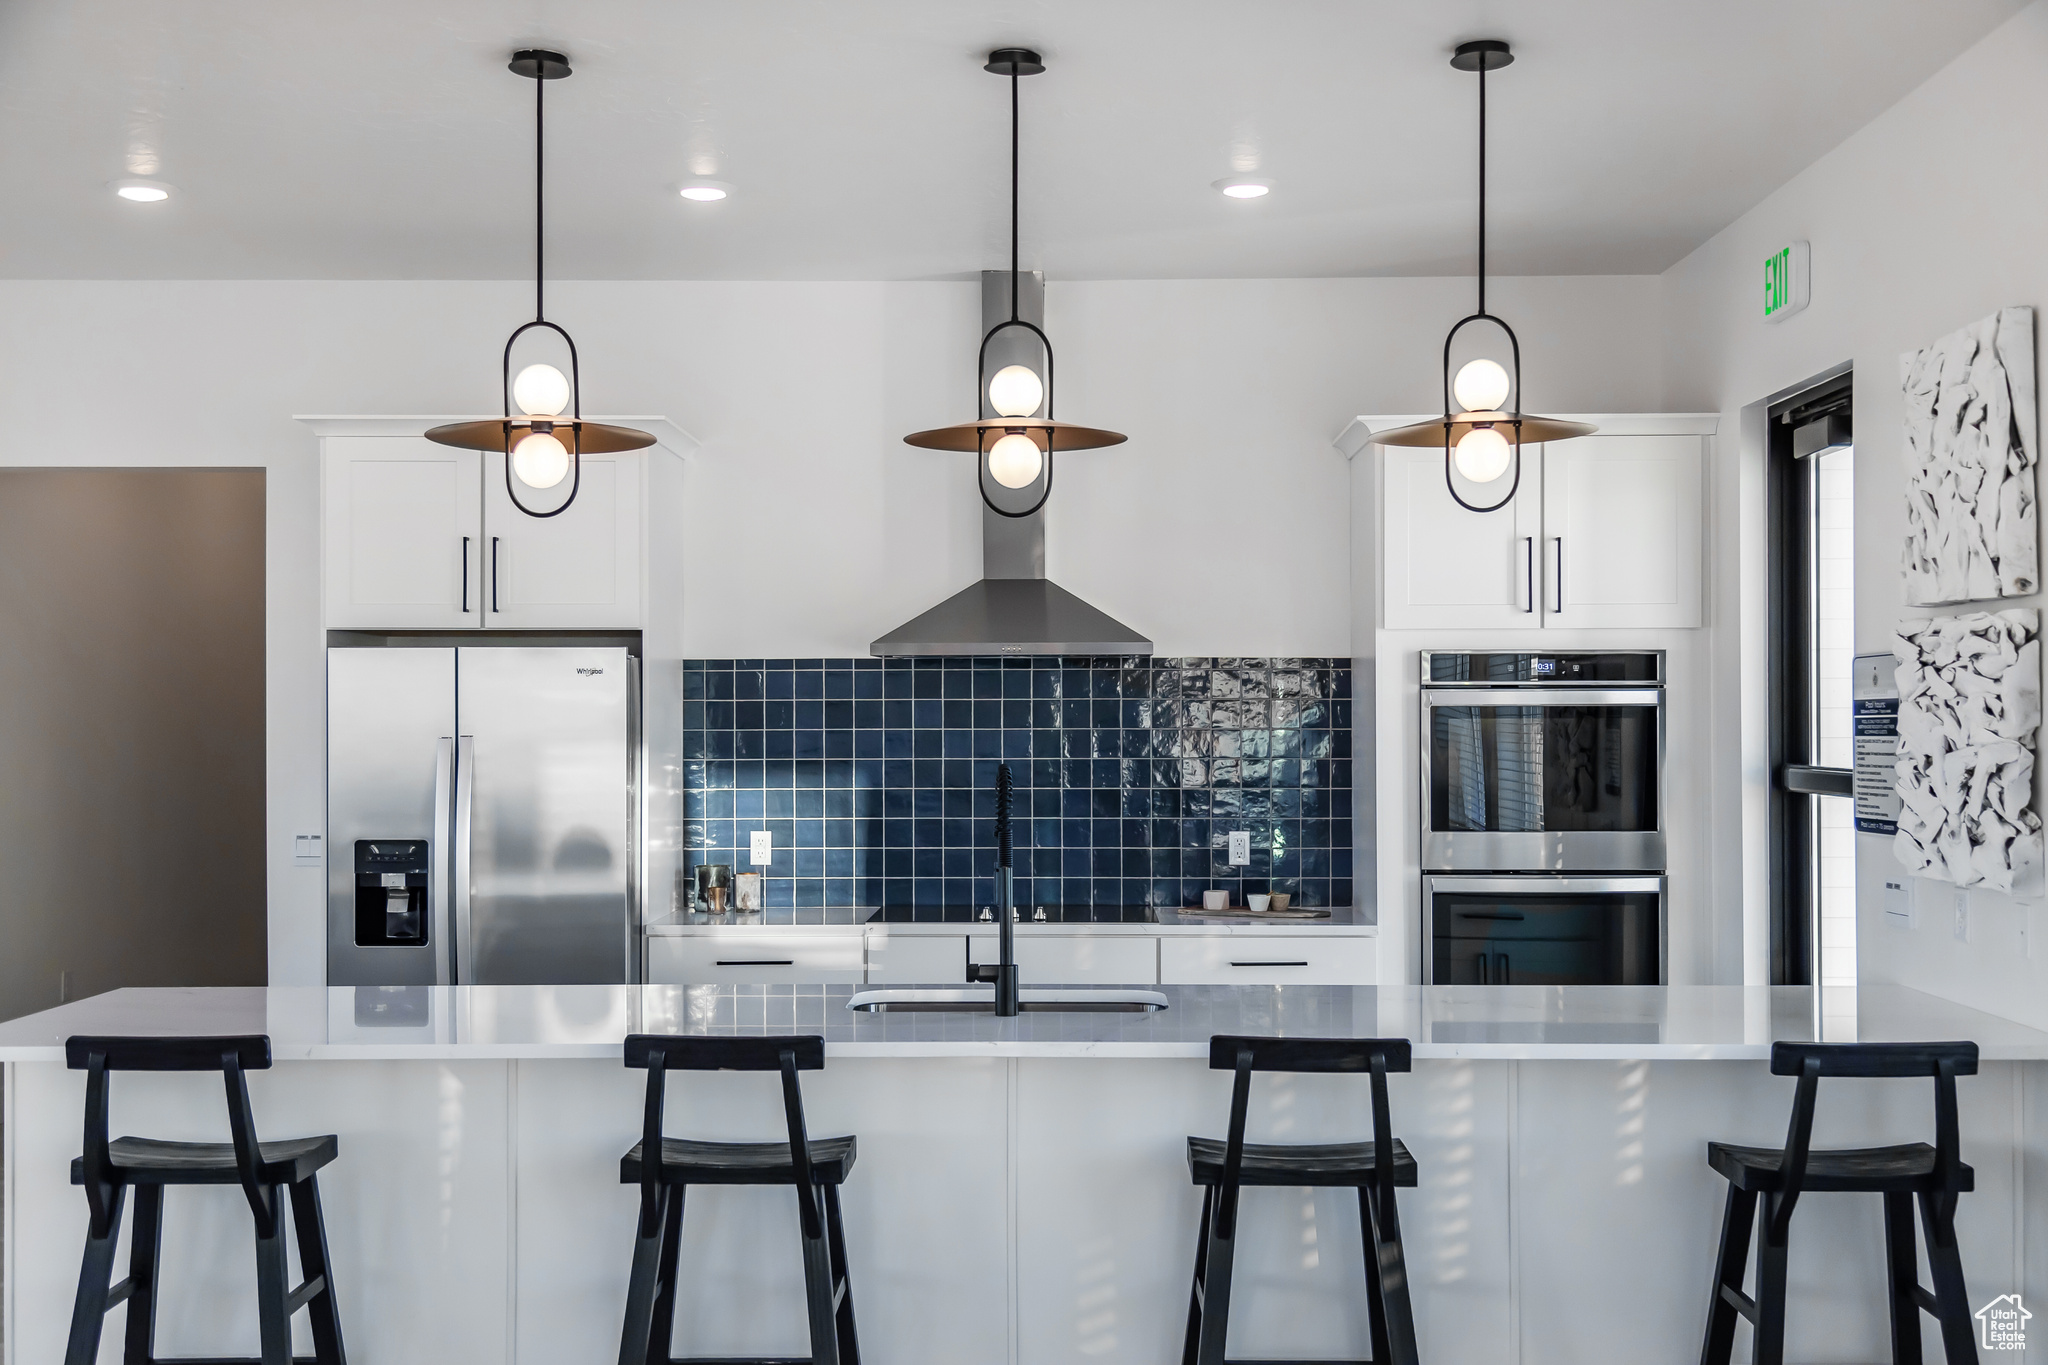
1021	1192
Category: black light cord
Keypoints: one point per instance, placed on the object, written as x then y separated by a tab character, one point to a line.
1482	183
540	87
1013	193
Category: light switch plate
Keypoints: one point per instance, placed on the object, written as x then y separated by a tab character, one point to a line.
760	848
305	849
1240	847
1898	901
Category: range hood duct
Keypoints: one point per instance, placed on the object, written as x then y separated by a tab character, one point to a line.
1015	609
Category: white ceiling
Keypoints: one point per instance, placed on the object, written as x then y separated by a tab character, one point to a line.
384	138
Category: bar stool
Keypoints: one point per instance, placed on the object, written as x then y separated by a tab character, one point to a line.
266	1171
1765	1183
815	1168
1375	1168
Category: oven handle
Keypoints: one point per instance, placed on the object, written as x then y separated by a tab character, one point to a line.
1543	696
1491	914
1535	884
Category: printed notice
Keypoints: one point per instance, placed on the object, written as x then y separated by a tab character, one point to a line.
1874	728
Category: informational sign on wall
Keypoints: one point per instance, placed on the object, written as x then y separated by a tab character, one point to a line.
1874	728
1787	281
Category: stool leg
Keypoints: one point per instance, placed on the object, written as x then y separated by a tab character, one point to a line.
1216	1264
640	1290
95	1280
1375	1290
849	1341
1902	1271
1770	1288
661	1333
145	1237
1945	1265
1731	1264
273	1286
322	1312
818	1298
1393	1278
1194	1333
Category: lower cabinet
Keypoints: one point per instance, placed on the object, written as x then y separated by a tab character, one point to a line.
1077	959
916	959
735	959
1273	960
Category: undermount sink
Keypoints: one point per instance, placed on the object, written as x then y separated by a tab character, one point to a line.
973	1000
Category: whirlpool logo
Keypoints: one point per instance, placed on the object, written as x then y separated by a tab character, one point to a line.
589	672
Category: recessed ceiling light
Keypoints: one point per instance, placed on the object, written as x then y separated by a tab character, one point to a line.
1244	186
142	191
706	191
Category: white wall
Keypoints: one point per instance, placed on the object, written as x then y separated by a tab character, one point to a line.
1928	218
1221	528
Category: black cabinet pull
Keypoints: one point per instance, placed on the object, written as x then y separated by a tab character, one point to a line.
1491	914
465	575
494	574
756	962
1302	963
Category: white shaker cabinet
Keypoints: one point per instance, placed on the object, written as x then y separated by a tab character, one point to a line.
403	527
579	569
1604	531
1621	531
1450	568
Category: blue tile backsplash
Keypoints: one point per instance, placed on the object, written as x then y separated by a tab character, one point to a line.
877	778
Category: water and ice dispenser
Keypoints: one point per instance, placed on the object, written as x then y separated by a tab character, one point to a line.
391	893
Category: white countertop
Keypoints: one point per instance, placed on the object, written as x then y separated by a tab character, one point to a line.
1497	1022
1342	921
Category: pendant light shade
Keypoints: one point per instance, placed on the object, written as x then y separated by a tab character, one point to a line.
541	447
1481	435
1013	445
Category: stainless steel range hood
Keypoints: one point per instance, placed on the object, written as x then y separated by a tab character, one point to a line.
1015	608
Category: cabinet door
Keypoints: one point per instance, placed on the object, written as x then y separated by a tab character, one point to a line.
402	531
1621	531
916	959
727	959
579	569
1075	959
1447	567
1293	958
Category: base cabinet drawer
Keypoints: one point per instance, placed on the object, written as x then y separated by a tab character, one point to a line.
916	959
1076	959
1271	960
735	959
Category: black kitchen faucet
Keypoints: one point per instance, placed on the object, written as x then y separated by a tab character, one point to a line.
1004	972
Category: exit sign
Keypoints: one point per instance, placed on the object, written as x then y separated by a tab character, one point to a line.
1786	285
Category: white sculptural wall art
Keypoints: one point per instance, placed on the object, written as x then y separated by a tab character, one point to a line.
1969	710
1971	448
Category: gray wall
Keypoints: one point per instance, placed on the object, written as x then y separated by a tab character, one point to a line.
131	731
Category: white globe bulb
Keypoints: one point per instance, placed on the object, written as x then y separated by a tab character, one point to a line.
1481	386
540	390
540	460
1483	454
1014	460
1015	392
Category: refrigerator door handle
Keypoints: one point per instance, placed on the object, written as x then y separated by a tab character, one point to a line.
465	792
438	883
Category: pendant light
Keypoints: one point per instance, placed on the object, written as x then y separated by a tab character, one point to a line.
1014	446
533	443
1472	434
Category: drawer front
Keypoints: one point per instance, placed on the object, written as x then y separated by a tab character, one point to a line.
736	959
1270	960
916	959
1077	959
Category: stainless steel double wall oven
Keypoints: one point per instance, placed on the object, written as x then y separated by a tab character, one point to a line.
1543	818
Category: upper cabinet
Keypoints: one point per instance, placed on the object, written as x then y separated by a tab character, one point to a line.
402	524
419	536
1603	531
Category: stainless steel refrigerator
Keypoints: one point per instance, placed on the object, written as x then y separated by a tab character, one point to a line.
481	815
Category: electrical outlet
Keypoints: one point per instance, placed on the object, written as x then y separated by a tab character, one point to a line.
760	848
1962	916
1240	847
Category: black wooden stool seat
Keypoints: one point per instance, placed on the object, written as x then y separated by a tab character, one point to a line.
269	1174
1331	1163
686	1161
1764	1185
148	1161
815	1169
1908	1168
1373	1168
